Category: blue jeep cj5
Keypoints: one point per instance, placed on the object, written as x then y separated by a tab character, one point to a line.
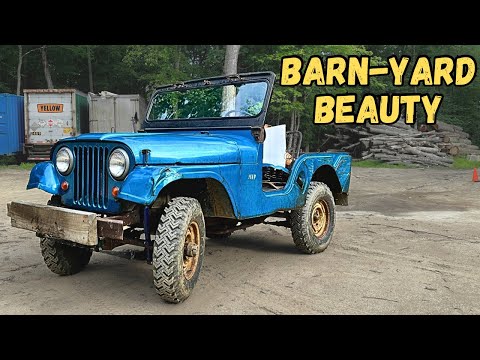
196	170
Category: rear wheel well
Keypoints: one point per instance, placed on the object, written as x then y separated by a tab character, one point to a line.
327	175
209	192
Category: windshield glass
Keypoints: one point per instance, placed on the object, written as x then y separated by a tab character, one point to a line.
233	100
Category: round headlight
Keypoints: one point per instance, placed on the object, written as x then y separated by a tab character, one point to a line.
64	161
118	164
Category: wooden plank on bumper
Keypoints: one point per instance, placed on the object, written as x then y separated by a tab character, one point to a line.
55	222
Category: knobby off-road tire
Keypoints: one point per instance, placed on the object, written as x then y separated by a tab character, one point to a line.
179	248
64	259
60	258
314	223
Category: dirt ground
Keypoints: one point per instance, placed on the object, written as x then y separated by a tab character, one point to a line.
407	244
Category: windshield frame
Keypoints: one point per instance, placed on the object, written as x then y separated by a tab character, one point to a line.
214	122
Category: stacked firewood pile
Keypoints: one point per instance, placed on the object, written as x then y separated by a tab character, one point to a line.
455	141
401	143
395	144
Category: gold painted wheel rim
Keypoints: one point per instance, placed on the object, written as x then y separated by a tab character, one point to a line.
191	251
320	218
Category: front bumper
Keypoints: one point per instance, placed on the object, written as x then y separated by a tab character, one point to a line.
80	227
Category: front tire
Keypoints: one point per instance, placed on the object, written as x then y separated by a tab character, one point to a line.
63	259
313	224
179	249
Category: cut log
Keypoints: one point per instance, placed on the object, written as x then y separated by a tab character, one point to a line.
366	143
456	139
454	150
383	151
351	147
368	156
412	159
465	146
423	128
427	127
449	148
392	132
433	157
463	151
424	142
442	126
430	150
461	135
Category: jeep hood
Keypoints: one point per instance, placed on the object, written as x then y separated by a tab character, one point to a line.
174	148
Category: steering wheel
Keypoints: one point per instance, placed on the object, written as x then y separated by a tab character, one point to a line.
241	112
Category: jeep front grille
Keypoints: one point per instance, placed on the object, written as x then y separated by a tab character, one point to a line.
90	176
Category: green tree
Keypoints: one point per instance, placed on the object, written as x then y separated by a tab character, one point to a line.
294	106
140	69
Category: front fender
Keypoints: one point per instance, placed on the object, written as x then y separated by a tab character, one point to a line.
45	177
144	183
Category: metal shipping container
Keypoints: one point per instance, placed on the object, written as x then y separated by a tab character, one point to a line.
110	112
51	115
11	124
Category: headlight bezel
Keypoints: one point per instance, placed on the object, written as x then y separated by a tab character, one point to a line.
70	163
126	166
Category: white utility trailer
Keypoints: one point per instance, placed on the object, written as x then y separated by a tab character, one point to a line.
111	113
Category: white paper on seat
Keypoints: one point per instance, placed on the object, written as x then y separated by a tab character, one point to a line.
275	145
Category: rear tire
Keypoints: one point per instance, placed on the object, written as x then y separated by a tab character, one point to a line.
313	224
179	248
63	259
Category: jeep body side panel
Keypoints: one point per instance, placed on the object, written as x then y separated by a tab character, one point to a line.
243	183
231	157
254	202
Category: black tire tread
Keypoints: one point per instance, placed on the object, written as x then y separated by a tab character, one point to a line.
167	264
63	259
299	224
